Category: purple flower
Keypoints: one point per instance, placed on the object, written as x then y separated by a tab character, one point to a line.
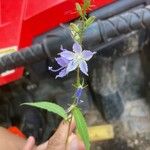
69	61
78	94
63	63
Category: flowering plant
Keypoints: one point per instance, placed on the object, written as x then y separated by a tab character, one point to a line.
70	61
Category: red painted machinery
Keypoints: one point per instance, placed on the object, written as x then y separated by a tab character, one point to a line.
23	20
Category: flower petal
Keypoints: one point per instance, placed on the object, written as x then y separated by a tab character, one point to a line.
88	54
78	93
62	73
63	49
55	70
62	61
77	48
83	67
67	55
71	66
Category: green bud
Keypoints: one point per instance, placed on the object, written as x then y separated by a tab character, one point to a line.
87	4
89	21
75	35
74	27
79	9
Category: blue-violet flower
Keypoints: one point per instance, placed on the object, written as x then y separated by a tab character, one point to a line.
69	61
78	94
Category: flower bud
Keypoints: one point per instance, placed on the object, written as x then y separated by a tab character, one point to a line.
79	9
74	27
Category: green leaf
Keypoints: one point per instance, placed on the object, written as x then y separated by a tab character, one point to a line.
81	126
74	27
89	21
51	107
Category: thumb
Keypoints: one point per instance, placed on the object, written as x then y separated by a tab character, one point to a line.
30	143
74	143
58	140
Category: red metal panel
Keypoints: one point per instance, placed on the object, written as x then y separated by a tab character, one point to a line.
11	21
11	77
10	29
22	20
41	18
52	13
0	12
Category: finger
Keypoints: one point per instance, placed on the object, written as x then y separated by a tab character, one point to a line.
30	143
58	140
72	126
63	129
42	146
74	143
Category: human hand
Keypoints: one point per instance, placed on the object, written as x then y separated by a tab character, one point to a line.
58	140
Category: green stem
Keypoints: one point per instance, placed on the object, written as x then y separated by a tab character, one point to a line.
78	76
68	132
82	29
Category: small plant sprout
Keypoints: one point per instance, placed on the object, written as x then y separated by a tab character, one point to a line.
70	61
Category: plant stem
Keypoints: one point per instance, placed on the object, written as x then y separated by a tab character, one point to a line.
82	29
78	76
68	132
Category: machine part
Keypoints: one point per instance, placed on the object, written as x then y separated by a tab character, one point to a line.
25	56
100	31
119	45
19	27
112	106
33	123
101	133
116	26
118	7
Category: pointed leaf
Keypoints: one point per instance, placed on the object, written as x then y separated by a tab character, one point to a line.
74	27
89	21
81	126
51	107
